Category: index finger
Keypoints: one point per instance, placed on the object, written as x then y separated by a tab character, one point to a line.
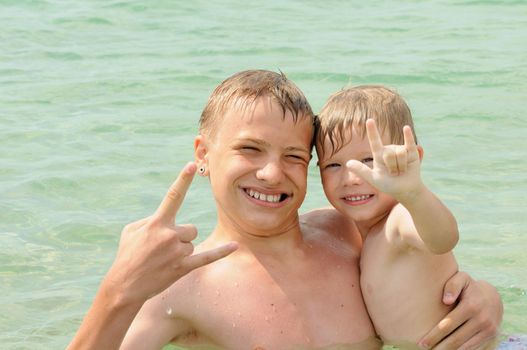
409	140
176	193
374	139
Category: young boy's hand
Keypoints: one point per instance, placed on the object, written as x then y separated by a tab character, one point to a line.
396	168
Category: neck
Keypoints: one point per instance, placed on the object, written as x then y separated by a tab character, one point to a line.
281	241
366	226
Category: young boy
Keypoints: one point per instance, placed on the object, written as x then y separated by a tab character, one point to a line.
408	233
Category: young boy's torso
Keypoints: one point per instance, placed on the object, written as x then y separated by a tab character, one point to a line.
402	285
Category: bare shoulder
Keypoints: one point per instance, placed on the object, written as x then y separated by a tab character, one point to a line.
324	219
161	319
329	224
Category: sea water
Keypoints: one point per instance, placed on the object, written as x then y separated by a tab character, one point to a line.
99	102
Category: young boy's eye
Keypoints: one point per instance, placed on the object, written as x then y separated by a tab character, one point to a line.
249	148
368	161
331	165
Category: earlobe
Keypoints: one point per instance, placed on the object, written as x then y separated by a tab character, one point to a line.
200	154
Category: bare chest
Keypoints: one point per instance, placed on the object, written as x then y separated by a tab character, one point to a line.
263	307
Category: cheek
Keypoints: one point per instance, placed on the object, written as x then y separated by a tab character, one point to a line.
329	183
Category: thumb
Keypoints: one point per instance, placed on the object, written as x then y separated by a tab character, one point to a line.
454	286
360	169
210	256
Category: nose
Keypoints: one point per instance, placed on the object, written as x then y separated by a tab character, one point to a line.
350	178
271	172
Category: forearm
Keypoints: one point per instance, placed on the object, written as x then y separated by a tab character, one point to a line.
107	321
434	222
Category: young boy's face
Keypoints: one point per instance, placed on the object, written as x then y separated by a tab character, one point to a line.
348	193
257	163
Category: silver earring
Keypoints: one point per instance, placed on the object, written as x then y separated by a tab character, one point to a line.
201	170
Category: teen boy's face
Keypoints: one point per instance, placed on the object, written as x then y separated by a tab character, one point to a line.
257	162
346	191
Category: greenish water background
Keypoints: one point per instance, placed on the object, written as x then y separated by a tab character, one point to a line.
99	104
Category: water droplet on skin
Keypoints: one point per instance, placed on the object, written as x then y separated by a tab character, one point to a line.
199	294
217	292
236	284
239	314
234	325
169	311
267	318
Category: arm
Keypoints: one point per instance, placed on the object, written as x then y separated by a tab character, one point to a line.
153	253
473	322
396	171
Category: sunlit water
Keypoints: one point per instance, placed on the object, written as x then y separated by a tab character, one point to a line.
99	104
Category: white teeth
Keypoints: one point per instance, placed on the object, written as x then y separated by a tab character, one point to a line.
266	198
358	198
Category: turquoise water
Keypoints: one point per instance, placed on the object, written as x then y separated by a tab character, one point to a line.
99	104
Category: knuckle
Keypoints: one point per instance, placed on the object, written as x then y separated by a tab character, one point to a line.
471	306
444	324
488	326
174	194
127	228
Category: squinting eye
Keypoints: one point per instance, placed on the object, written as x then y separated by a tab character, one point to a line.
249	148
332	165
294	156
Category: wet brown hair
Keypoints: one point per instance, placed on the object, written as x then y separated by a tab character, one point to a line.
352	107
242	89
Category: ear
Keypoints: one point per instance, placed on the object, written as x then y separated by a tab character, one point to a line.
201	154
421	152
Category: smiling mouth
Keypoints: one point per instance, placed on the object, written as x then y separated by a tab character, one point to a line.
270	198
358	198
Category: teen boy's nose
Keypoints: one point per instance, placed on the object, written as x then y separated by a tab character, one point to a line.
271	172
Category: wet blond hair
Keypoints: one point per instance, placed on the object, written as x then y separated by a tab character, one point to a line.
242	89
351	107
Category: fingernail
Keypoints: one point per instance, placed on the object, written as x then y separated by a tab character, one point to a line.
423	345
448	297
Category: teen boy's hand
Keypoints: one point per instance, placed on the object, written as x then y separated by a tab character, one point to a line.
396	168
475	319
153	253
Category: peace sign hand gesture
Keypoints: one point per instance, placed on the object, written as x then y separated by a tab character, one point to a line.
396	168
155	252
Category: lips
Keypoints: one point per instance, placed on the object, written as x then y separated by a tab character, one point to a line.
269	198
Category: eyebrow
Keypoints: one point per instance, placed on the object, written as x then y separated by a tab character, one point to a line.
267	144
